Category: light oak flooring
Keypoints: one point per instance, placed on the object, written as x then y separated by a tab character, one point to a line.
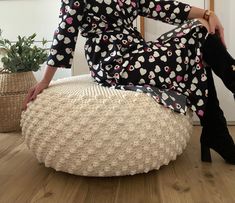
185	180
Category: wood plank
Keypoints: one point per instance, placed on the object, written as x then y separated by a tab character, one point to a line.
186	179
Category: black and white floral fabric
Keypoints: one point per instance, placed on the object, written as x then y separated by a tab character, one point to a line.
169	69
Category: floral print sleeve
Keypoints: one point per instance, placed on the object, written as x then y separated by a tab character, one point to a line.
171	12
65	36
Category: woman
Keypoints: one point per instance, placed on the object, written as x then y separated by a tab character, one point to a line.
175	69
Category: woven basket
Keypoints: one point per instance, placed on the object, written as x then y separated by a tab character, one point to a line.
13	90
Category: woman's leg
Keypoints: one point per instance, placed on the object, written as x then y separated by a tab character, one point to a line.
215	133
223	64
217	57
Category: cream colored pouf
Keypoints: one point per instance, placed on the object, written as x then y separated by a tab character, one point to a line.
79	127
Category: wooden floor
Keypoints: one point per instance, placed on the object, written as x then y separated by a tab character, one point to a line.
185	180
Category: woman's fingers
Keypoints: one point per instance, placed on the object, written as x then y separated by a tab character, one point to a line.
212	26
221	34
217	28
36	92
27	98
220	30
33	92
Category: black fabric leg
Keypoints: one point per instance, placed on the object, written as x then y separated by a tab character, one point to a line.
213	113
217	57
215	133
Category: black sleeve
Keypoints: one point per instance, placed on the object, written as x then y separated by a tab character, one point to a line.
65	35
171	12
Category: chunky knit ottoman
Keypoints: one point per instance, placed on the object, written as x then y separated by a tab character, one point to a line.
79	127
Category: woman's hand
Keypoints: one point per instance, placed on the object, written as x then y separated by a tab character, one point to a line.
216	27
33	92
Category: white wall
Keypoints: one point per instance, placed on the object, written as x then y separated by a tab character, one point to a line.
24	17
225	12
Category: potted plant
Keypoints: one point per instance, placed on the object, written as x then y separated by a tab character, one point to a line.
18	59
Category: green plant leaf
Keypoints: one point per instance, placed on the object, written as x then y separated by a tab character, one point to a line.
24	55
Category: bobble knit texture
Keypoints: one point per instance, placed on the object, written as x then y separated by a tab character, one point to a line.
79	127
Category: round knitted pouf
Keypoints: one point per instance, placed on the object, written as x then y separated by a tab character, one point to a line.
79	127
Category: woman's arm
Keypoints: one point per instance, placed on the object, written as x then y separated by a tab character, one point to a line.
171	12
196	12
48	74
39	87
65	35
176	12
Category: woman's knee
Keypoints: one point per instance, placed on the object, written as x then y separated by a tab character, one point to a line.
205	23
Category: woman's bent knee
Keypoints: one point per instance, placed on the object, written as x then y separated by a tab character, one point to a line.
205	23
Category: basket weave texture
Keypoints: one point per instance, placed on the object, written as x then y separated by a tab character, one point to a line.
13	90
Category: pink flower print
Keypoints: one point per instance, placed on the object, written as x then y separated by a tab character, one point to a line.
69	20
179	78
200	112
180	34
158	8
133	3
120	2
